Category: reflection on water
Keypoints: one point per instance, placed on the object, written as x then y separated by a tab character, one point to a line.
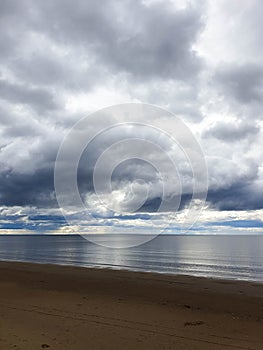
234	257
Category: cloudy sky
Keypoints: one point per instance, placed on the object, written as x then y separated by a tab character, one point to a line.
63	60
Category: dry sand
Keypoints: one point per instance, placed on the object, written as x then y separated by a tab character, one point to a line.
56	307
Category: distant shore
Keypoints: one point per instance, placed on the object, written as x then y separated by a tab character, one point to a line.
66	307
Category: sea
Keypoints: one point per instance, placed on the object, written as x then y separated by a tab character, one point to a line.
238	257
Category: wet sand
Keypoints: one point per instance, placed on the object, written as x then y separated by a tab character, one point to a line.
57	307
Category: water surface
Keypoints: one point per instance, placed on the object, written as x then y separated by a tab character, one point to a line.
231	257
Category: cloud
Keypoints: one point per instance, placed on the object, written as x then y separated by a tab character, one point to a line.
73	44
28	189
61	60
39	99
241	82
232	32
231	131
127	44
239	196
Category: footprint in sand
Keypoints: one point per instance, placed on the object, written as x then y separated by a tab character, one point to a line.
196	323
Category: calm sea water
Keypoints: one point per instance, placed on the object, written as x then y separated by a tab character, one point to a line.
231	257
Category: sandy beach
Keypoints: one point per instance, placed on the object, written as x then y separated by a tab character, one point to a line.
57	307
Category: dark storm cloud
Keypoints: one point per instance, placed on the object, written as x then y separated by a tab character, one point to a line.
37	98
244	82
144	41
59	72
28	189
36	188
153	205
234	181
239	196
233	132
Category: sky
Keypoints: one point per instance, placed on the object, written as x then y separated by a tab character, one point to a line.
201	61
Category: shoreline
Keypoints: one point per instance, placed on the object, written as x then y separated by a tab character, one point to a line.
69	307
124	269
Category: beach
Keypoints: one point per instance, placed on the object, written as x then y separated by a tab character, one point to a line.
65	307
